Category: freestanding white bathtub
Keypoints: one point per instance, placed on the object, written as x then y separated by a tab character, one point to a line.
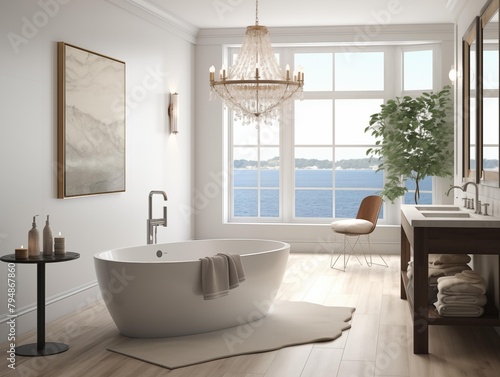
155	291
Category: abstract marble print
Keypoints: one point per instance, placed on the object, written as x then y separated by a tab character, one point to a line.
92	108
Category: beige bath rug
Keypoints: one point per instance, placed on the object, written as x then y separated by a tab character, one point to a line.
290	323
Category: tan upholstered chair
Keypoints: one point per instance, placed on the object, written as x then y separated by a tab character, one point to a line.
357	231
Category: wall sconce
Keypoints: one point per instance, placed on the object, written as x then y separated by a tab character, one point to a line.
173	112
454	74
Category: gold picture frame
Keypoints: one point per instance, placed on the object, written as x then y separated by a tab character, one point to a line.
91	123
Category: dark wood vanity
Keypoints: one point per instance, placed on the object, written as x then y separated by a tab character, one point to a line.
421	237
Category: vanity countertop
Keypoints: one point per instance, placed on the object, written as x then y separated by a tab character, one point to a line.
446	216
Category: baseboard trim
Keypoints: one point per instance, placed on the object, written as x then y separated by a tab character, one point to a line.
51	300
325	247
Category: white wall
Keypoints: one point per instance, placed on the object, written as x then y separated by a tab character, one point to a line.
209	135
156	160
487	265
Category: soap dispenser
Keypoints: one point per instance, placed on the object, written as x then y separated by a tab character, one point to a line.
48	240
33	240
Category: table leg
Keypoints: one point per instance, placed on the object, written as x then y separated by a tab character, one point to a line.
420	292
405	258
40	306
40	348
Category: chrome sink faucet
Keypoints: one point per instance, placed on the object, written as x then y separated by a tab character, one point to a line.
154	223
476	195
453	187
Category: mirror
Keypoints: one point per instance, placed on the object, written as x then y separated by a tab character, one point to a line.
470	104
481	102
490	152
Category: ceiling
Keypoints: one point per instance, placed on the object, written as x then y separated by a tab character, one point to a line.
289	13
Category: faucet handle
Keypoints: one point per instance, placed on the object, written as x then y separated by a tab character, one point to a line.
468	203
472	203
465	201
486	209
479	206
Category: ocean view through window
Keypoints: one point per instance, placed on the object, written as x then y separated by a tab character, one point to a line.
313	200
311	166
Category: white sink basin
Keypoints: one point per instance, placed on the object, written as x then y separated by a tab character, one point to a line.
437	208
446	214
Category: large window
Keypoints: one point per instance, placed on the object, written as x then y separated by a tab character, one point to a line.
417	70
312	165
256	171
418	76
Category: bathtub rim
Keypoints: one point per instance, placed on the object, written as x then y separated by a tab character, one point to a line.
97	255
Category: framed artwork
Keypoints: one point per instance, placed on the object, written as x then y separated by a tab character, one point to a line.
91	123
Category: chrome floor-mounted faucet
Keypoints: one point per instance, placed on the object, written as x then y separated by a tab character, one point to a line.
154	223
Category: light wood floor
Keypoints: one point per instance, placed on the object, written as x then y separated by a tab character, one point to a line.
378	344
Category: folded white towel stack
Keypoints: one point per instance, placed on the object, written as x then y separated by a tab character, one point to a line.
446	265
479	300
448	259
220	273
461	295
440	265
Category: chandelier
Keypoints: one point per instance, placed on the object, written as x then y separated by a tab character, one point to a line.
255	87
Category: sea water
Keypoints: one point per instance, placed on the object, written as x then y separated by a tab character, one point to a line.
316	194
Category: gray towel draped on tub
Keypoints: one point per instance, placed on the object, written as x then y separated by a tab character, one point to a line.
220	273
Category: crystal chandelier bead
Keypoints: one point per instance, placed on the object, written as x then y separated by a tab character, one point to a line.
255	87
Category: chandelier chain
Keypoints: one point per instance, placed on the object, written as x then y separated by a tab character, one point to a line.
257	12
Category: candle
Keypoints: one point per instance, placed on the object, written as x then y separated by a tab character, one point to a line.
22	253
212	73
287	72
59	245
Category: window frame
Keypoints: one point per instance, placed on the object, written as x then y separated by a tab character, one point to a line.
393	86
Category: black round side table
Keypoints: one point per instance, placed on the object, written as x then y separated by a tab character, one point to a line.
40	348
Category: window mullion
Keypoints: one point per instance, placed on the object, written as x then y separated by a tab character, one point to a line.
333	157
287	163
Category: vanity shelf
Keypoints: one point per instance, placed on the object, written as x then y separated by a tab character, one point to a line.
421	236
489	318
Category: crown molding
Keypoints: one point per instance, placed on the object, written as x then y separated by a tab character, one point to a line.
160	17
357	34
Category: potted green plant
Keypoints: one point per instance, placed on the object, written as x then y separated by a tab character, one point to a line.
414	140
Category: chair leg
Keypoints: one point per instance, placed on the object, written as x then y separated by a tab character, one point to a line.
369	264
351	244
332	263
344	252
